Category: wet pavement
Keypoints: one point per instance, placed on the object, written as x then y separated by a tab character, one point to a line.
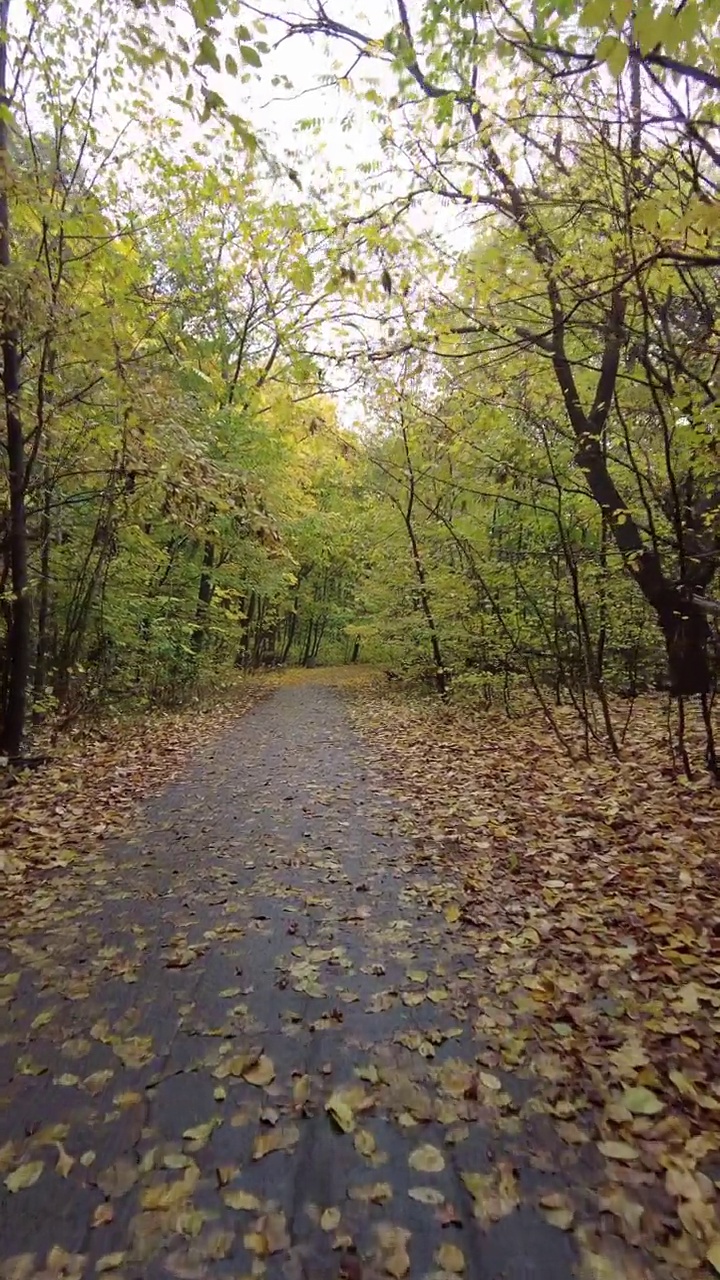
246	1041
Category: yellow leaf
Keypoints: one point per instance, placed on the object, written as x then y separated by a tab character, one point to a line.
169	1194
426	1159
330	1219
236	1066
374	1193
110	1262
642	1102
274	1232
340	1110
261	1073
301	1090
618	1150
426	1195
201	1133
495	1194
24	1176
364	1142
689	1186
255	1241
393	1242
413	998
278	1139
20	1267
450	1258
559	1216
397	1263
242	1201
683	1085
177	1160
489	1082
713	1254
64	1161
452	913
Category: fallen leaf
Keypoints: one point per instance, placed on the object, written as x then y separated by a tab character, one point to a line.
26	1175
301	1090
64	1161
556	1209
426	1159
110	1262
364	1142
167	1195
426	1195
713	1254
201	1133
374	1193
393	1244
495	1194
278	1139
642	1102
450	1258
261	1073
616	1150
330	1219
344	1103
243	1201
341	1113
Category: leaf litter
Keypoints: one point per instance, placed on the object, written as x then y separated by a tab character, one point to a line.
589	894
552	1022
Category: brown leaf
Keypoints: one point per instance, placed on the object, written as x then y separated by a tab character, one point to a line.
281	1138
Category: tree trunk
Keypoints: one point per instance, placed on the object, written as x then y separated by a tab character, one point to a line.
205	592
43	617
18	644
440	673
687	635
290	625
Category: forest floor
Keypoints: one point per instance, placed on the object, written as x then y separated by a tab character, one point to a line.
369	989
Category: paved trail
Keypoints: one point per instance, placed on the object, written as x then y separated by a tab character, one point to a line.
180	1012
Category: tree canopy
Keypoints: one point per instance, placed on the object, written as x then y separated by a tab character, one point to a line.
454	411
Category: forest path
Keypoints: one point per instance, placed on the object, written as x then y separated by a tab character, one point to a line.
265	903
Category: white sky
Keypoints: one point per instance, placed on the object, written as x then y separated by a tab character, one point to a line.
275	111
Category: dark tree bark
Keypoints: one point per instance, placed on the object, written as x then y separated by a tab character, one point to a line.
205	592
406	511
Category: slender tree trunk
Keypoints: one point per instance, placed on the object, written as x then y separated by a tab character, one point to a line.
291	624
43	616
205	592
308	644
45	397
18	647
426	606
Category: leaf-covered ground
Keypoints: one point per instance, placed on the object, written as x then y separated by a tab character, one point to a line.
293	1025
590	893
93	780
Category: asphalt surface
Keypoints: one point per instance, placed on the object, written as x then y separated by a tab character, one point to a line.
180	1011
